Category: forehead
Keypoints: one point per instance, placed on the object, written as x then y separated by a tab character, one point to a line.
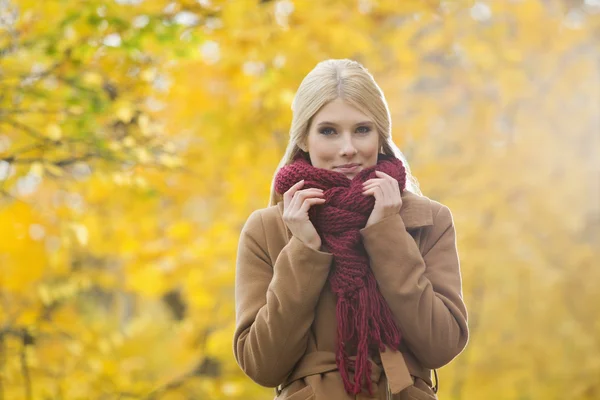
341	113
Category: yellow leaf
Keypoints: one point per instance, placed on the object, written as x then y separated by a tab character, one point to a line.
169	160
129	141
148	74
76	110
37	169
115	146
81	233
141	182
201	299
53	169
54	132
44	294
142	155
92	78
125	113
144	124
179	230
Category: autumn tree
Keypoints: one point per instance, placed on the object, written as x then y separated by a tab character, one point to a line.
136	138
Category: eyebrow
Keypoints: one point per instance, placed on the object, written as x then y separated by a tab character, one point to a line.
333	123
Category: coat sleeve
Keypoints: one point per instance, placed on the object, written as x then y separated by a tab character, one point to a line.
274	302
424	292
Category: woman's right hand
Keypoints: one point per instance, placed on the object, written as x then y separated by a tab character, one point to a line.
296	204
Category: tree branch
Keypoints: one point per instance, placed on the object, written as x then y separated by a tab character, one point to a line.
2	364
30	131
26	341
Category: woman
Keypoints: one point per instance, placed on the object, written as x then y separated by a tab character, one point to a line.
347	286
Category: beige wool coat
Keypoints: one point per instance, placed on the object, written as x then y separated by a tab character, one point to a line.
286	313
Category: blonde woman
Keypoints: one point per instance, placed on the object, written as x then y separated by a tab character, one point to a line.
348	284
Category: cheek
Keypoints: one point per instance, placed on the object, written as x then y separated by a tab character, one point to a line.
322	156
371	150
322	151
371	146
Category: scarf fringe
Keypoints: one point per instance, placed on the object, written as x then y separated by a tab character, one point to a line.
371	323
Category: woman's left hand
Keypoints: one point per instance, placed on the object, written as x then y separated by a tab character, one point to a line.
388	200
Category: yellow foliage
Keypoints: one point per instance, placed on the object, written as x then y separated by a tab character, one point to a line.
132	150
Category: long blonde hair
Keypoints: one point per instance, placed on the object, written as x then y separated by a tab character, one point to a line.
350	81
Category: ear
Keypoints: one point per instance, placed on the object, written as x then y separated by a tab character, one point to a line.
303	146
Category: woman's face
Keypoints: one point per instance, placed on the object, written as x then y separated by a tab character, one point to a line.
338	135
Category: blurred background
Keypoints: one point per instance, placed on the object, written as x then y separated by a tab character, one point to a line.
136	137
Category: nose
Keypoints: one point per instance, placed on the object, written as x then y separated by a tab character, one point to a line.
348	148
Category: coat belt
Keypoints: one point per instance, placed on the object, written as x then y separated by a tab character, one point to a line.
318	362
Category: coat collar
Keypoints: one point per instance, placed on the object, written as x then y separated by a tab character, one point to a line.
415	212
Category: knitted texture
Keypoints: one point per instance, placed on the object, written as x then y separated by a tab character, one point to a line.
364	319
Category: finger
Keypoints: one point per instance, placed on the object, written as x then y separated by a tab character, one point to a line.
296	187
394	189
300	195
383	174
391	194
372	180
387	193
378	193
309	189
304	193
289	194
297	196
292	203
375	183
371	185
307	203
388	178
375	191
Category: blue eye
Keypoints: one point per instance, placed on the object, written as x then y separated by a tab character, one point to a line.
366	129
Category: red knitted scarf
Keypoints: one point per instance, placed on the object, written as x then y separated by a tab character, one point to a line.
364	319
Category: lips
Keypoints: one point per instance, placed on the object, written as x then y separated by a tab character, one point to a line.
348	165
349	168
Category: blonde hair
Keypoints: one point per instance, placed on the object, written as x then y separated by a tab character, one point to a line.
350	81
